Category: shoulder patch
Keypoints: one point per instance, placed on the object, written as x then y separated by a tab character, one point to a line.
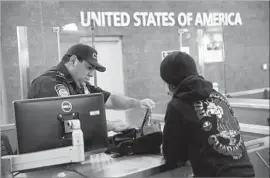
61	90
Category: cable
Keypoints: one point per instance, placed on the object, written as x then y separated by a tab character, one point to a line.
72	169
262	160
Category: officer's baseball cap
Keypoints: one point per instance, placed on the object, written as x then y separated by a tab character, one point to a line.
86	53
176	66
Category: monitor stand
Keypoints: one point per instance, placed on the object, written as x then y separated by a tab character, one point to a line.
70	154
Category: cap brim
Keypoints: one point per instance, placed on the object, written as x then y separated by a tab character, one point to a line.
98	66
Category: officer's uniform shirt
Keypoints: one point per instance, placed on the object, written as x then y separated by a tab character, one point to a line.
58	82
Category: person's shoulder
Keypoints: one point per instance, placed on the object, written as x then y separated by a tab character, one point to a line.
55	74
174	112
177	104
174	107
44	79
51	75
181	108
94	89
49	79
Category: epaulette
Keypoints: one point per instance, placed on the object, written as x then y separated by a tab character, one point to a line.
60	75
57	74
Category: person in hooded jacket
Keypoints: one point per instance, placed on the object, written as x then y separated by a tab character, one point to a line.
200	125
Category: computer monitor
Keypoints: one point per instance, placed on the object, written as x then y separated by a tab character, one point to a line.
38	122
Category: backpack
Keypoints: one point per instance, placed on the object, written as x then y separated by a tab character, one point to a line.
137	141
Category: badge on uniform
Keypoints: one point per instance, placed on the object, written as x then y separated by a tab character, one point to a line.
61	90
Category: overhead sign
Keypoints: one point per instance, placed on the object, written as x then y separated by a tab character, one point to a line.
165	53
159	19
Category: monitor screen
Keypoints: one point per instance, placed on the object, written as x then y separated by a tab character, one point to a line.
39	127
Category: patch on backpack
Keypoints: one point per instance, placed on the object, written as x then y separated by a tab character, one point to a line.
61	90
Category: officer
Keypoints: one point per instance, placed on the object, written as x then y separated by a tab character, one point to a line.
200	125
71	76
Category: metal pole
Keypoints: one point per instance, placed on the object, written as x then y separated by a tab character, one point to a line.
181	41
93	45
224	63
93	33
57	31
180	38
23	60
201	50
3	94
203	59
58	44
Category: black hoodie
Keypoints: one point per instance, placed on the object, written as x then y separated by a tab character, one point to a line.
200	126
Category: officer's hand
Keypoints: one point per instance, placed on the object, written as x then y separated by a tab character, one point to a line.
147	103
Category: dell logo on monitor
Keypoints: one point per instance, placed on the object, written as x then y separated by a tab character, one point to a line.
66	106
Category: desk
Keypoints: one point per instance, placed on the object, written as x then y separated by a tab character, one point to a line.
102	165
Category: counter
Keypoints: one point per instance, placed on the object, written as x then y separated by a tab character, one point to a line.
102	165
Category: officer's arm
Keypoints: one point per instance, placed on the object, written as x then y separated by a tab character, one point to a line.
94	89
115	101
120	102
49	87
175	147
